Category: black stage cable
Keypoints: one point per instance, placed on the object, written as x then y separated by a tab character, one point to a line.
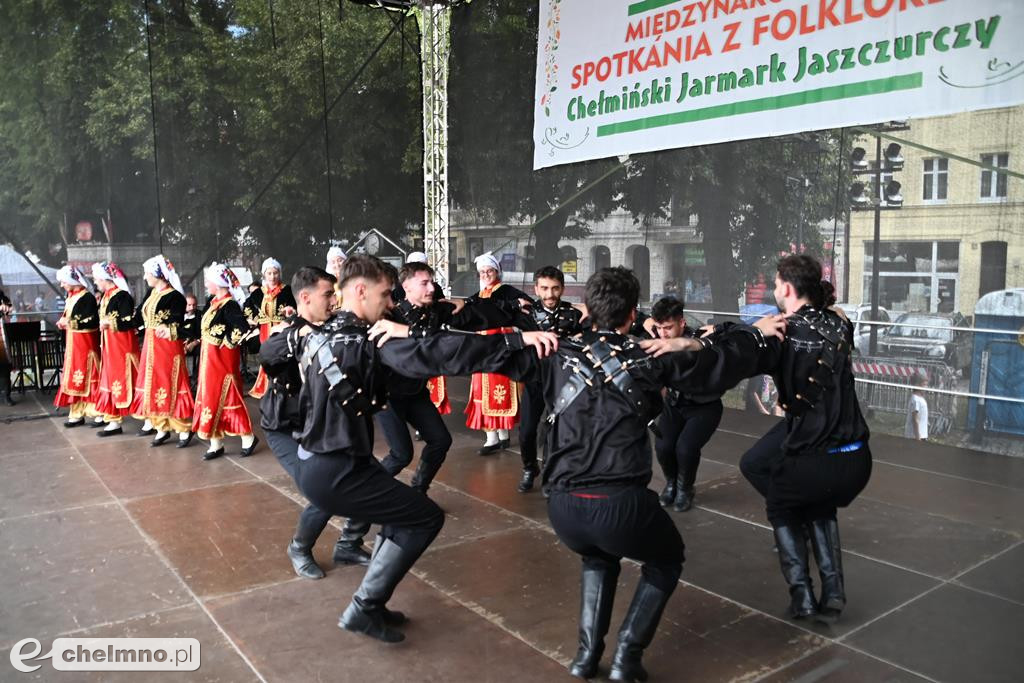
152	111
313	129
327	136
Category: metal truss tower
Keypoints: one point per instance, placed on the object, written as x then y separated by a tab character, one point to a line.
434	18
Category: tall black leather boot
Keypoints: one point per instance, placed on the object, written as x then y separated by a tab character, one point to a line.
684	495
671	470
637	632
792	544
424	475
367	613
597	593
349	548
300	551
829	556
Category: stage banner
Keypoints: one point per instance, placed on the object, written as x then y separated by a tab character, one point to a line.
616	77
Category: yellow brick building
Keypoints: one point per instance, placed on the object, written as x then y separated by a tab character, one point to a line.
960	233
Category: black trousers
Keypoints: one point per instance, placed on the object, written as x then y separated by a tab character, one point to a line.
312	520
605	525
360	488
803	488
419	411
684	432
531	424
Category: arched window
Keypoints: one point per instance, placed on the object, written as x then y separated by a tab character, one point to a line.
600	257
638	259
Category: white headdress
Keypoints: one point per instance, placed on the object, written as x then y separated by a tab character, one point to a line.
336	252
220	275
160	267
488	261
416	257
270	262
70	275
108	270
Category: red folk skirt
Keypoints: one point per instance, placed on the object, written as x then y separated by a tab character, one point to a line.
220	408
438	388
80	382
162	394
262	381
493	399
118	373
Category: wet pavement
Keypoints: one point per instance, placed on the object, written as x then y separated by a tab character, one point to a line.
109	537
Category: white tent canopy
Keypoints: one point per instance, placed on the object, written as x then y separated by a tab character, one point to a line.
16	272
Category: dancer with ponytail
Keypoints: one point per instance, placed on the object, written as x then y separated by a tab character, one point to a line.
817	459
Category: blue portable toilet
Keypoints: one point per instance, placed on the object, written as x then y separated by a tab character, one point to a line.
997	364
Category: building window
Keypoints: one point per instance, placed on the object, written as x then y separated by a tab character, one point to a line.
689	275
915	276
936	175
993	185
600	257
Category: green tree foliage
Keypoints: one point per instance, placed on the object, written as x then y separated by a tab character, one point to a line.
747	212
236	95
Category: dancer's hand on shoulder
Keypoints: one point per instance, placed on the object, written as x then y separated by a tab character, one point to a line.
659	347
383	330
772	326
546	343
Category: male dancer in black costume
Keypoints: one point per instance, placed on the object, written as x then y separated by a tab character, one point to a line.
408	399
604	391
345	380
817	459
688	421
550	314
280	419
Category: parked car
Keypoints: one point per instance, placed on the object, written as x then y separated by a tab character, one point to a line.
858	313
929	336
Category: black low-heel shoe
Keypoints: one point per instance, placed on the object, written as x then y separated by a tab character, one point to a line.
110	432
246	452
184	443
210	455
160	440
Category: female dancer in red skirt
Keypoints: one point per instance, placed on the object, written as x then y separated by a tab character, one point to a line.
80	381
220	407
119	347
266	307
162	395
493	399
